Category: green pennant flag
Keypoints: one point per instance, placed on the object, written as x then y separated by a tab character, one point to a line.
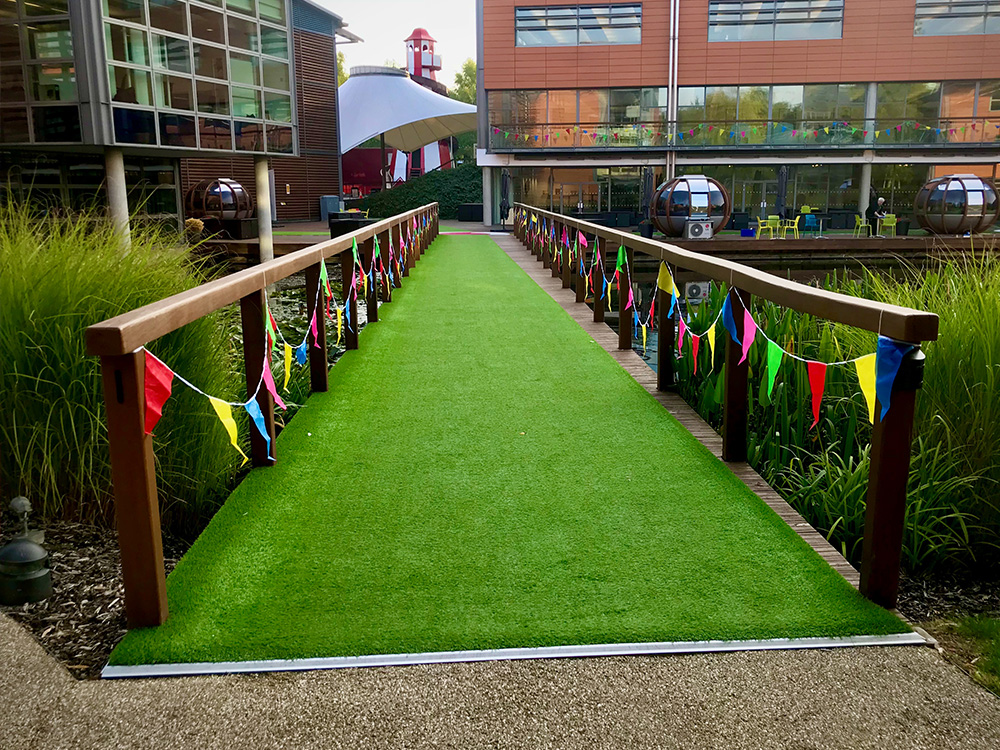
354	251
324	277
269	325
620	264
774	355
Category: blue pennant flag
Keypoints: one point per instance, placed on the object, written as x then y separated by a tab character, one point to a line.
673	304
728	322
301	350
253	409
888	358
604	285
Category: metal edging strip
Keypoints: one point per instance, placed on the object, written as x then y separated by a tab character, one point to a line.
502	654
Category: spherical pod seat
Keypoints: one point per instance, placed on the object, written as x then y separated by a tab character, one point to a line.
219	198
956	204
689	197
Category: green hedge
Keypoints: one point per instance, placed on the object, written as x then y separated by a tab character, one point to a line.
449	187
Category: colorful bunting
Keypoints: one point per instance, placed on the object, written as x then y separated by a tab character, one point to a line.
774	356
711	346
890	357
866	377
269	383
728	321
225	413
288	365
253	409
749	334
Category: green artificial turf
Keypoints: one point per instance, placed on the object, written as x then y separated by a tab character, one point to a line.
481	474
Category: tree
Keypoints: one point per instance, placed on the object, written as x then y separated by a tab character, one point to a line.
465	83
341	69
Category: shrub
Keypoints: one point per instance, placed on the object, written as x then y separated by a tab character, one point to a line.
448	187
57	276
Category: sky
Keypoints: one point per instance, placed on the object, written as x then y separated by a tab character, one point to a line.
385	24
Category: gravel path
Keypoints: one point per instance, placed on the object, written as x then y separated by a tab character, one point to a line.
882	698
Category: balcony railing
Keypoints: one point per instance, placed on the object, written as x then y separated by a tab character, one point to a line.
721	134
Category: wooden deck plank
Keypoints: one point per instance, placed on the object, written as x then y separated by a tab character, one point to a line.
674	404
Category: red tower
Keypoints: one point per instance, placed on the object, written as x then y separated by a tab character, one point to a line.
420	58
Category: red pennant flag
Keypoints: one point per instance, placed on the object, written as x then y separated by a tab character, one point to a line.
159	380
695	340
817	384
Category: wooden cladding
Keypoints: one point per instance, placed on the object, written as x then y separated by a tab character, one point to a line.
299	181
878	44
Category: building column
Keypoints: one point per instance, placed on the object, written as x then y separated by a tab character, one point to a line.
865	185
263	188
488	196
114	178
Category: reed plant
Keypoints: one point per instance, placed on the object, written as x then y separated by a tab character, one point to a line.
58	276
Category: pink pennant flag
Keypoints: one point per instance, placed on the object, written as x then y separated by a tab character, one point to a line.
817	383
583	240
749	333
630	300
314	327
158	383
681	330
269	381
695	340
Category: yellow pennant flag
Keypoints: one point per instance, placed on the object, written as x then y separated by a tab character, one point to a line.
365	277
643	339
826	130
878	133
225	413
663	279
608	295
866	377
288	365
340	324
711	344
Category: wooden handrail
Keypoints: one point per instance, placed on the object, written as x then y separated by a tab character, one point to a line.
127	332
902	323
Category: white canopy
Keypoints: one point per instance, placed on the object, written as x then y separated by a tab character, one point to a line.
385	100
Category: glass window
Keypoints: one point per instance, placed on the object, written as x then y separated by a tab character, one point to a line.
130	86
615	24
249	136
14	126
46	7
244	69
277	107
819	102
173	92
126	10
580	24
177	130
246	102
720	103
215	133
10	43
243	33
530	107
52	83
49	40
208	25
243	6
273	10
274	41
170	53
623	105
210	61
280	140
562	107
786	104
276	75
11	84
950	17
56	124
768	20
989	98
125	44
169	15
593	105
213	98
654	105
134	126
907	101
753	103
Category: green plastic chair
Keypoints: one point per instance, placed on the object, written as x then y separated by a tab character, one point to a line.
790	225
770	225
887	225
861	225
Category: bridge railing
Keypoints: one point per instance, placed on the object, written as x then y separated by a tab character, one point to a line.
891	436
120	342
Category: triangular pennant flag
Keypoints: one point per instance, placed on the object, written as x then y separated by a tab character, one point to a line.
288	366
225	414
269	382
314	329
774	355
158	383
300	352
340	325
817	383
631	301
257	417
890	357
749	333
695	340
583	239
324	277
354	250
727	320
711	346
681	330
621	260
866	378
664	280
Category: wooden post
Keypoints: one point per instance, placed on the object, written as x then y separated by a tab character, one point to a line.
133	475
254	350
625	316
318	367
383	242
597	284
351	302
888	475
664	342
367	250
734	407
